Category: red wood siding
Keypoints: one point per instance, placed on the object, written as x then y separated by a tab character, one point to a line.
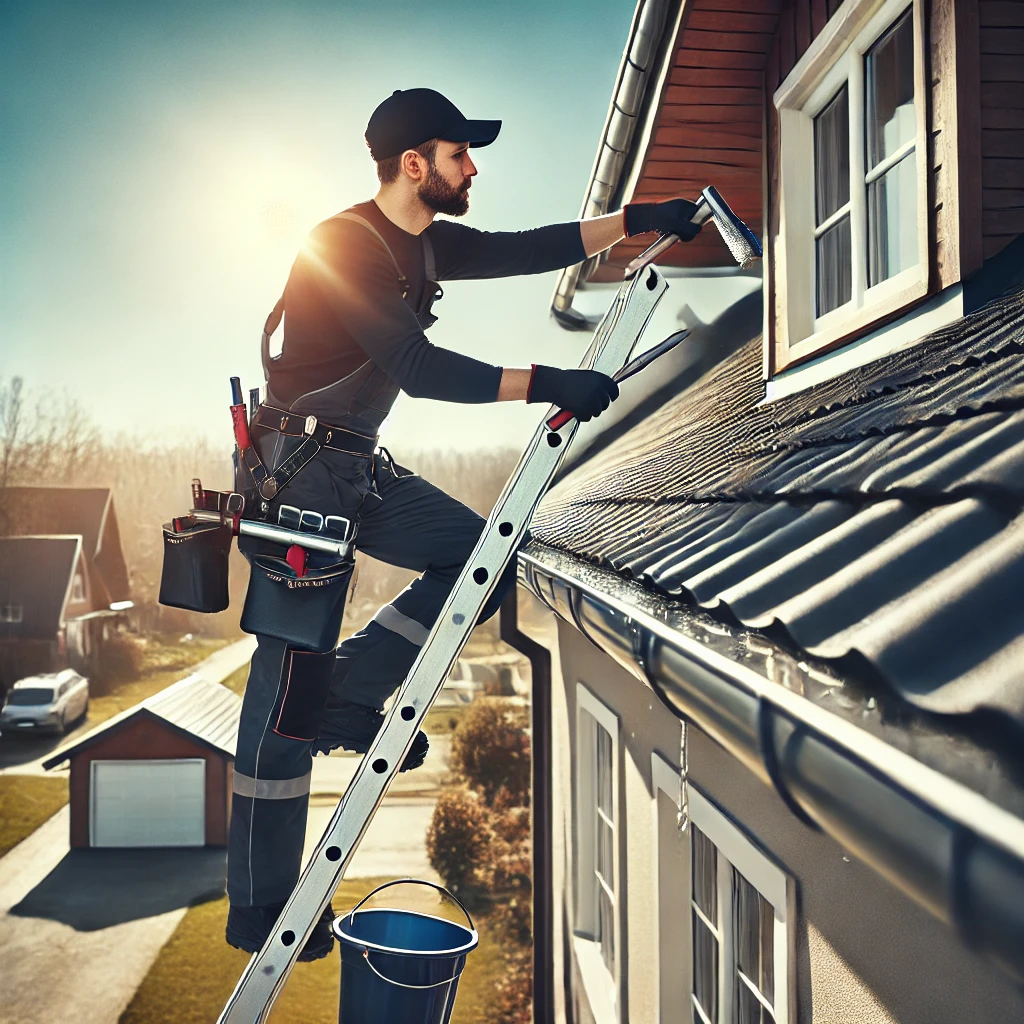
147	739
709	126
1001	30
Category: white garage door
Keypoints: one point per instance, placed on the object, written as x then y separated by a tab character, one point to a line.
148	803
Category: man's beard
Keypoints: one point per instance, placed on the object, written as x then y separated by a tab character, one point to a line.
441	197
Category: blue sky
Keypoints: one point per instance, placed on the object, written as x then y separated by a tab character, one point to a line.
161	163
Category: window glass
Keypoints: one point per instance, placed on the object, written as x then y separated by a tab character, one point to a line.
604	844
889	79
891	126
30	695
832	156
833	253
705	970
705	876
753	932
892	221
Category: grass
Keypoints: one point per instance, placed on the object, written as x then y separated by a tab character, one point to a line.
163	661
26	801
196	971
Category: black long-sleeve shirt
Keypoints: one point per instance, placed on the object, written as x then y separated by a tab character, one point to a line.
343	302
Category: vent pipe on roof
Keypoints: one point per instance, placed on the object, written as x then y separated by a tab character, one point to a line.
638	85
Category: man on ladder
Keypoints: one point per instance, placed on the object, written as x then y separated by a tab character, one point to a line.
355	307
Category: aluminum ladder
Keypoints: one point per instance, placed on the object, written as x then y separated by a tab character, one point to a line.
612	345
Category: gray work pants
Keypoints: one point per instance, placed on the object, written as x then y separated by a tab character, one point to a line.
408	523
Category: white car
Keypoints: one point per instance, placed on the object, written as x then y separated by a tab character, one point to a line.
49	702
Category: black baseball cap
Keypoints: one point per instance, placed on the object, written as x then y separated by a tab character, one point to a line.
409	117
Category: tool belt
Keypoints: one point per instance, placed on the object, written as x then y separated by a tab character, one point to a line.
317	435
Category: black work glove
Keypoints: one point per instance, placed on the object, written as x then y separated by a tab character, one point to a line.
669	218
585	393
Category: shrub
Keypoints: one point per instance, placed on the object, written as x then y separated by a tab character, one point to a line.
120	658
459	838
491	751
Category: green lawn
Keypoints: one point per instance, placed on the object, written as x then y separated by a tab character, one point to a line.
197	970
26	801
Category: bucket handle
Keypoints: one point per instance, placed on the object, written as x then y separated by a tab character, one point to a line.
413	881
402	984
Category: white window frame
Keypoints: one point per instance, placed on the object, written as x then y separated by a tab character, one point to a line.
837	56
603	988
735	850
78	588
667	780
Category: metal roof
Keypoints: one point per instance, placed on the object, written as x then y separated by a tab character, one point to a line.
207	711
875	521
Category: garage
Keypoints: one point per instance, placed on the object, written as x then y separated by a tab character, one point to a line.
148	803
158	774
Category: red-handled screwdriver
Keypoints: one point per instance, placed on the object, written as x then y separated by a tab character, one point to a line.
560	419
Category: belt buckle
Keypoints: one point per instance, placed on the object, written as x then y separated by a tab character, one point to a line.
310	425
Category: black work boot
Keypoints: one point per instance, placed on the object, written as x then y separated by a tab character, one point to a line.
248	928
354	727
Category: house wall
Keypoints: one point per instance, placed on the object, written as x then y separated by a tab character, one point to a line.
146	739
1001	30
865	952
962	114
20	658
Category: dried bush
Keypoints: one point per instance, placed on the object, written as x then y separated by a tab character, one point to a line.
491	751
459	838
121	658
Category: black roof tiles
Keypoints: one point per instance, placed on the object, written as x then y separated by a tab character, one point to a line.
875	520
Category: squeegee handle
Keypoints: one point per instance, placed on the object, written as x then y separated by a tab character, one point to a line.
562	417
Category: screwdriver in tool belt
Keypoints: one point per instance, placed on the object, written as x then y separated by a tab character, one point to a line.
560	419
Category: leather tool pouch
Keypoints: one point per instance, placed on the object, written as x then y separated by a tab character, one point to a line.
304	611
195	568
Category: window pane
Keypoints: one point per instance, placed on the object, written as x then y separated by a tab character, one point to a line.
606	928
705	875
754	938
604	770
834	267
889	79
892	221
832	156
604	851
705	968
748	1007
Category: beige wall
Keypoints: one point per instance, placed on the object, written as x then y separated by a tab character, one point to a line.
865	954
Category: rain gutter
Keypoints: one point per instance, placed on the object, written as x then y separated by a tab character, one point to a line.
636	97
950	849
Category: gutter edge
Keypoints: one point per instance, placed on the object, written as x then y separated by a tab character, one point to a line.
950	849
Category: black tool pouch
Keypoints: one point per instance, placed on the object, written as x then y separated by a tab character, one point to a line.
195	569
304	611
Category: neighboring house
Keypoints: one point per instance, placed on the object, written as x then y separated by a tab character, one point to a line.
45	604
778	721
158	774
35	577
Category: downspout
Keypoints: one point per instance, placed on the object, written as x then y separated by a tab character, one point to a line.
540	803
636	98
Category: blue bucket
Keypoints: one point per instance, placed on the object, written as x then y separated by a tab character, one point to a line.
400	965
